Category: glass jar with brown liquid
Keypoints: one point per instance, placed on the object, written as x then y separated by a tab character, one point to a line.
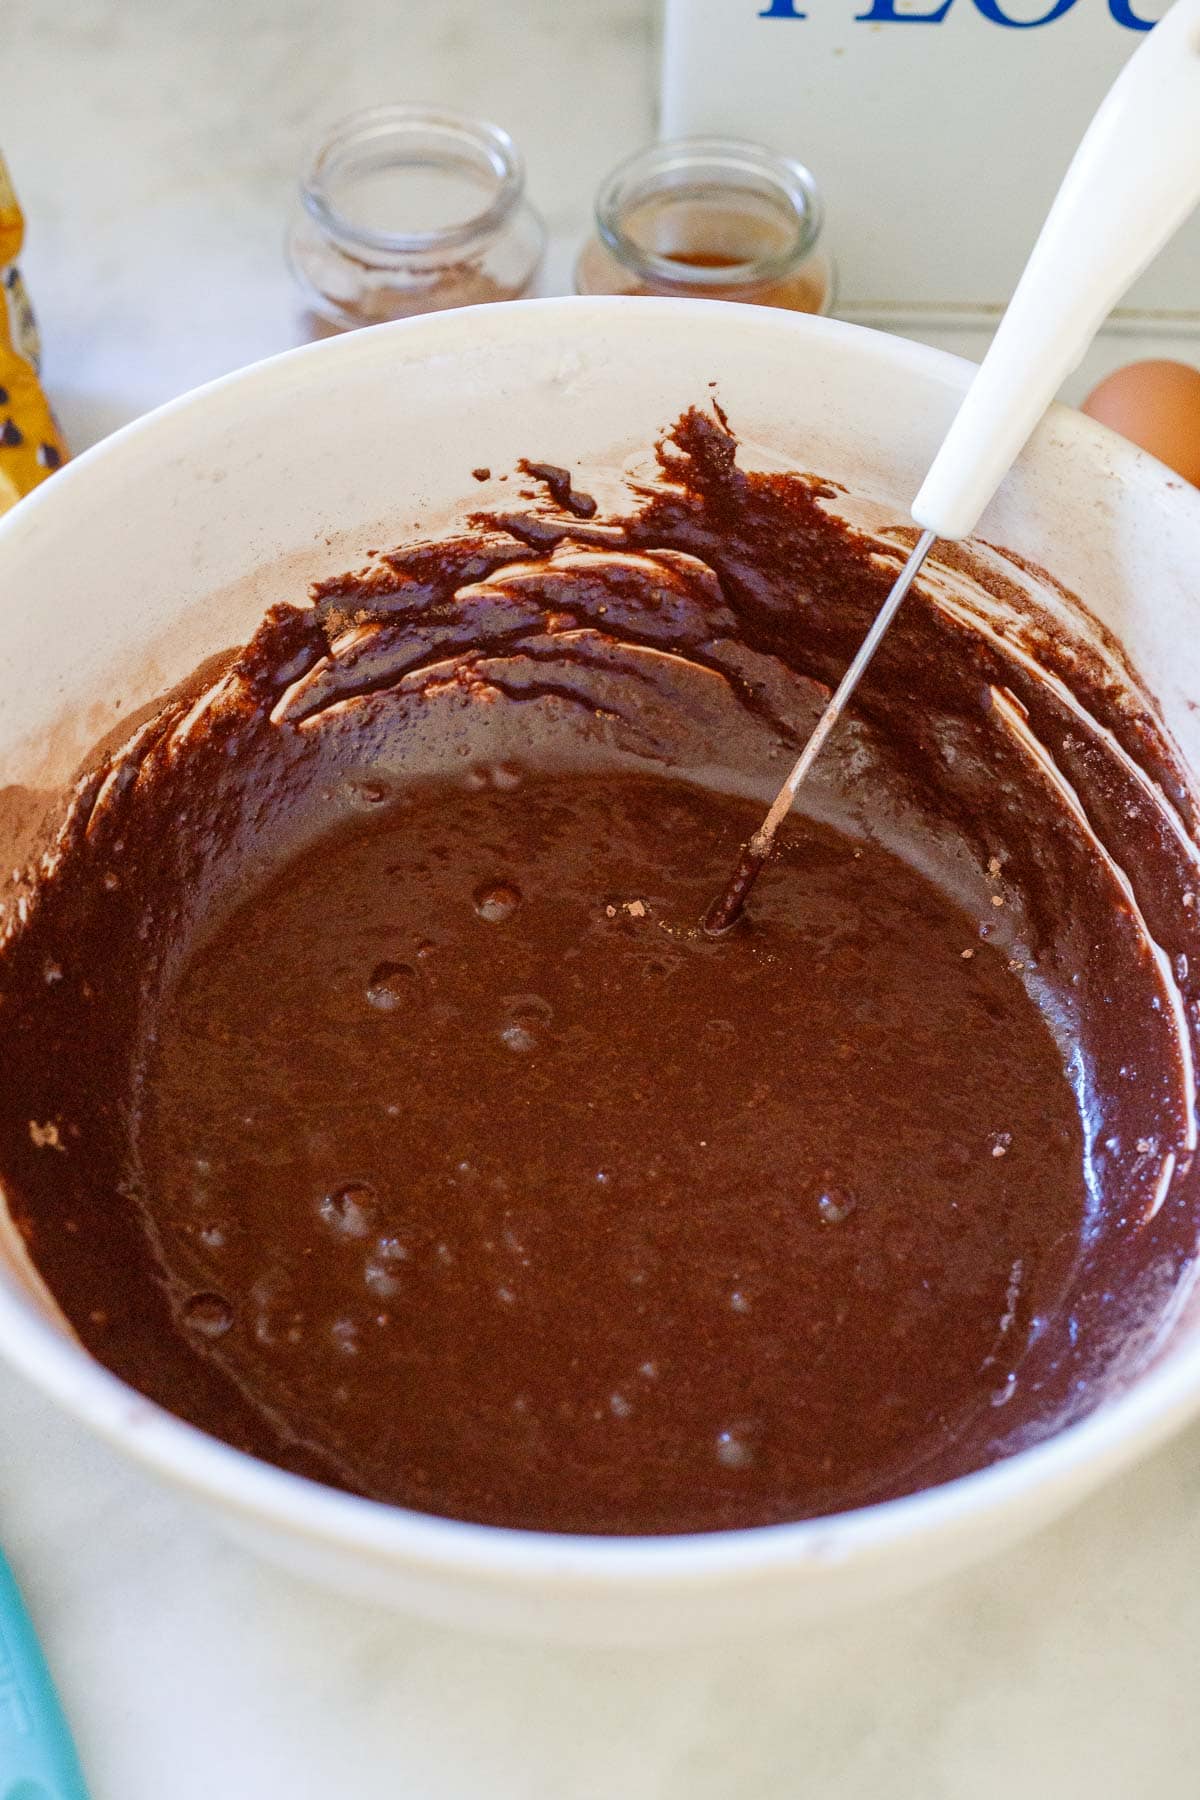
712	218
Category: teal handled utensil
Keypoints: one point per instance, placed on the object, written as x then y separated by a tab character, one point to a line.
37	1756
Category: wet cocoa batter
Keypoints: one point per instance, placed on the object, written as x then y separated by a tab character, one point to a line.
378	1104
563	1216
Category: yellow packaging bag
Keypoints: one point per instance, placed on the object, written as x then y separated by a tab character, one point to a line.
31	446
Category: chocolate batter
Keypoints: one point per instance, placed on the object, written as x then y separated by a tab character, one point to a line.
377	1102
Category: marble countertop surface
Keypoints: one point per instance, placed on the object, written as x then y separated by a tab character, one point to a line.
155	145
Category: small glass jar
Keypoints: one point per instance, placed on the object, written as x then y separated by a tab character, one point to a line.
409	211
712	218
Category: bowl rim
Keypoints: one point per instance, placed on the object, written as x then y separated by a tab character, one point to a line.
1073	1458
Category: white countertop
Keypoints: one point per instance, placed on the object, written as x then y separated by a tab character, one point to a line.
155	147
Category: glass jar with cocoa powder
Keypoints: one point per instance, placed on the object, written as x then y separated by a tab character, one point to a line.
404	210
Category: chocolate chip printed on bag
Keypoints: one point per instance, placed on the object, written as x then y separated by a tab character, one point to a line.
31	445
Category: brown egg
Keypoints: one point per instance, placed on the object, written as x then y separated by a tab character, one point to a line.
1156	405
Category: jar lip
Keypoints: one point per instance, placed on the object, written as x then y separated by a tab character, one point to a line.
354	138
663	168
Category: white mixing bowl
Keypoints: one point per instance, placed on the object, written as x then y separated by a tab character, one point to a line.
164	544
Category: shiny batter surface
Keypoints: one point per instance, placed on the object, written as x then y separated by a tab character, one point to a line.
532	1205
